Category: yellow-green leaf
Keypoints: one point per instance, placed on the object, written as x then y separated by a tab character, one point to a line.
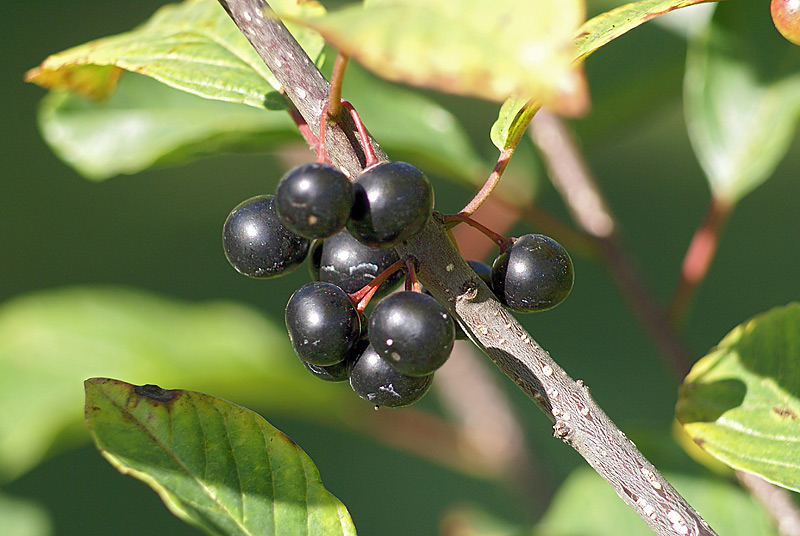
741	402
490	50
216	465
193	46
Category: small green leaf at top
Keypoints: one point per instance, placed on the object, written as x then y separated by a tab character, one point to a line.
741	98
216	465
741	402
517	111
489	50
147	124
193	46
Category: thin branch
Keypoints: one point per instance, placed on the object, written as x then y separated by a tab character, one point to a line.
491	183
578	420
571	177
698	257
337	80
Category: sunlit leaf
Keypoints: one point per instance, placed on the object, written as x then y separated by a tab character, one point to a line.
741	402
466	47
216	465
193	46
146	123
517	112
19	517
52	341
742	98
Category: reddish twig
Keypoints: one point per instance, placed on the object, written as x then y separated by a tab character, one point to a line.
698	257
337	81
491	183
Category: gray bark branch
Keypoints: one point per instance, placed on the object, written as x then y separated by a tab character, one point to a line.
578	420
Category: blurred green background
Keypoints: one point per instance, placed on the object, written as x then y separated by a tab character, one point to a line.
160	231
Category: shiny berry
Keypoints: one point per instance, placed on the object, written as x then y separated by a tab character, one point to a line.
412	332
314	200
338	372
534	274
393	201
786	17
257	244
349	264
374	380
323	323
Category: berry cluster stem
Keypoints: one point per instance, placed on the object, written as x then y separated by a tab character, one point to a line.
362	297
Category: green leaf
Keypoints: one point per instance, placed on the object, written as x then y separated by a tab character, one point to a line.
146	123
741	402
193	46
517	112
413	127
52	341
466	47
607	26
586	505
742	98
216	465
20	517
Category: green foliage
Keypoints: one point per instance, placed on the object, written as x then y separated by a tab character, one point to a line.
193	46
741	402
145	123
216	465
742	101
52	341
19	517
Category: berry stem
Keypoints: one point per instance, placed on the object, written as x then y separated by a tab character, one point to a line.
362	297
369	152
322	156
337	80
491	183
412	283
303	127
502	242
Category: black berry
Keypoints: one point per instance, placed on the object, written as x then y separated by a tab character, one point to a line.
393	201
257	244
535	274
412	332
338	372
374	380
349	264
323	323
314	200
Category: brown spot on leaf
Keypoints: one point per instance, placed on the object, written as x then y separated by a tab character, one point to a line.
156	393
785	412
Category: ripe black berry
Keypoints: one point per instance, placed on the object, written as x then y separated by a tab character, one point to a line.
393	201
323	323
314	200
349	264
412	332
338	372
535	274
257	244
374	380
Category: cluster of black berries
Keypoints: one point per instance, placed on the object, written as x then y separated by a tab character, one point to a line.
389	358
